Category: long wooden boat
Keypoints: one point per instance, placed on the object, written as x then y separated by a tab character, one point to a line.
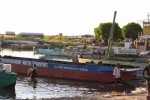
67	70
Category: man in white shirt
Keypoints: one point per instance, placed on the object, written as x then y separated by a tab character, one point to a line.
117	73
117	76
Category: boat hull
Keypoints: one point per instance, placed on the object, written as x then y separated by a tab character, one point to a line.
103	77
63	70
7	79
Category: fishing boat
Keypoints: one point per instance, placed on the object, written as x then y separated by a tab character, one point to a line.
75	70
7	78
51	51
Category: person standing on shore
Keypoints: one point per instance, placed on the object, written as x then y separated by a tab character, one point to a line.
117	77
117	73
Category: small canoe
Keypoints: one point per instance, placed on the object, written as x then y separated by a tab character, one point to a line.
7	78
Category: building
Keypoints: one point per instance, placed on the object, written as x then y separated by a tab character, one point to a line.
143	41
9	35
146	26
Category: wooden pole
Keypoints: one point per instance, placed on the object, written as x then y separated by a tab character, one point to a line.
111	36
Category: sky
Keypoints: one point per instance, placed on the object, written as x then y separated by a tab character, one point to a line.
70	17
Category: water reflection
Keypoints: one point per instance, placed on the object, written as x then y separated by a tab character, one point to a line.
7	93
33	82
56	89
40	88
44	88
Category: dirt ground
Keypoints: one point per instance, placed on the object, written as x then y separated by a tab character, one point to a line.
136	91
138	94
128	98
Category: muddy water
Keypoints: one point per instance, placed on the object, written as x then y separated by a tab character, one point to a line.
56	89
44	88
41	88
51	88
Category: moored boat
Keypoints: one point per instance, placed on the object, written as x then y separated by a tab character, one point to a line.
7	78
67	70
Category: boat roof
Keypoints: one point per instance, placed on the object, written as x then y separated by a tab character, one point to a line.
125	63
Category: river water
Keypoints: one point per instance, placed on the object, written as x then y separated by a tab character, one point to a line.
54	89
51	89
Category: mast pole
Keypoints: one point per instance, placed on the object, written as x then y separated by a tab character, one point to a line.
148	15
111	36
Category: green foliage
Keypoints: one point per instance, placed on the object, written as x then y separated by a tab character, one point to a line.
131	30
19	37
97	33
46	38
103	31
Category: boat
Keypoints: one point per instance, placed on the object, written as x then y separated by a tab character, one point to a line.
68	52
75	70
7	94
67	70
51	51
7	78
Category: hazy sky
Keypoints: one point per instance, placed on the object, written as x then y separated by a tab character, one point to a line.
71	17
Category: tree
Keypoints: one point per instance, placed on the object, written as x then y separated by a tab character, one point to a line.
132	30
103	31
97	33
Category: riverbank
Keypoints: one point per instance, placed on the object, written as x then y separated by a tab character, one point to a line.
139	93
119	96
137	97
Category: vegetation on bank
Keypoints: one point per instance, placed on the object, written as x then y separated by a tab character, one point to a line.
131	30
103	30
